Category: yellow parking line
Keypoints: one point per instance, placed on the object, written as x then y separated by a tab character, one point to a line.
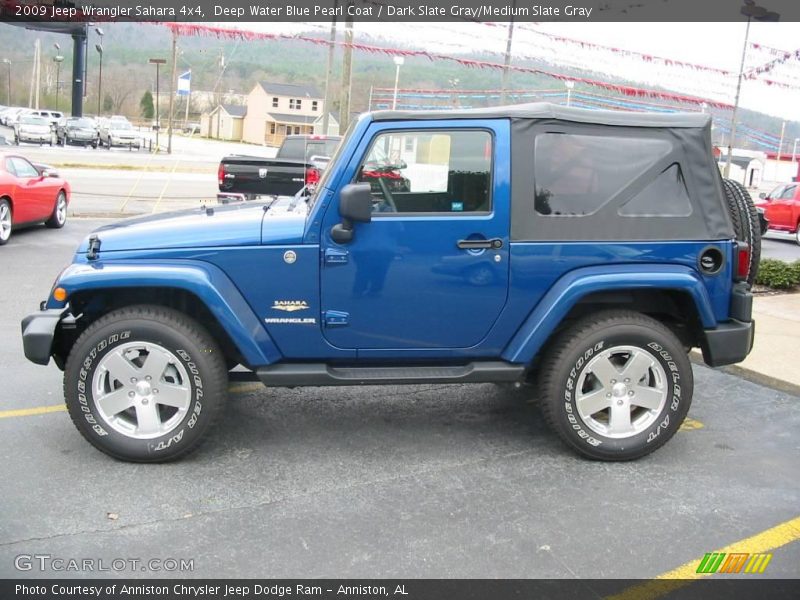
166	185
29	412
136	184
663	584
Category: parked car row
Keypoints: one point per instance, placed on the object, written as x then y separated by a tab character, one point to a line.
52	127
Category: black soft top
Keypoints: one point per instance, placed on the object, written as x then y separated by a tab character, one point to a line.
545	110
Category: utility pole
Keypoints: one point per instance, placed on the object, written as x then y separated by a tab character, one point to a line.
507	60
172	88
780	144
329	74
347	72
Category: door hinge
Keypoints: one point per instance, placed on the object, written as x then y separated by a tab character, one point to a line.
336	318
335	256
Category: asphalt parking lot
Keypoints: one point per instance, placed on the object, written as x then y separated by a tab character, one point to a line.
424	481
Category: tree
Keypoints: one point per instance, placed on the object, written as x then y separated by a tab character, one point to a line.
146	105
108	103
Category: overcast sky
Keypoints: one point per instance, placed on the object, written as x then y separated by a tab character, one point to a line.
713	44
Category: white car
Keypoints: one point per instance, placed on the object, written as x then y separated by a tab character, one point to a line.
121	133
12	116
35	129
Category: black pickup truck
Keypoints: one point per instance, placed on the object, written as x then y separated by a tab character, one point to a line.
299	162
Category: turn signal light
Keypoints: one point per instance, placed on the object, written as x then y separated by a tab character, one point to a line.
60	294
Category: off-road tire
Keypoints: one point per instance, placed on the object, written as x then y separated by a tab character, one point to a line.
198	356
567	363
745	222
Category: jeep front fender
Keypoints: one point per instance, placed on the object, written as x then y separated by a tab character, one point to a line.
577	284
205	281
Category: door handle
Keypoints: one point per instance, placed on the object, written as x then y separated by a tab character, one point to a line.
495	244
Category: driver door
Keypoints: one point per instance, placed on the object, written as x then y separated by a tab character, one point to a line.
430	271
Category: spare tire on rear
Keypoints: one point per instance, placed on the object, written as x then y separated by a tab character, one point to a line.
745	222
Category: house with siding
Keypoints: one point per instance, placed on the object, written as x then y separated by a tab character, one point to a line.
224	122
275	110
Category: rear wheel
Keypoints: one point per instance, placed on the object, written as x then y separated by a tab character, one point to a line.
145	383
5	221
745	222
616	385
59	216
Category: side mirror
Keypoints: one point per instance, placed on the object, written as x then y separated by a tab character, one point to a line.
762	195
49	173
355	206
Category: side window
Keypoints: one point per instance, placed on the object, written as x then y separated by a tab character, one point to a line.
665	196
430	171
575	175
23	168
788	192
10	167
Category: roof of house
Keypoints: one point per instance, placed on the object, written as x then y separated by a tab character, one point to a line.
292	118
235	110
290	89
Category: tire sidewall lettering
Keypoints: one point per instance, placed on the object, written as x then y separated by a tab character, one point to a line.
86	403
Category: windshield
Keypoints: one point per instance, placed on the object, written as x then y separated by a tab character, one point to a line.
323	182
34	121
85	123
120	125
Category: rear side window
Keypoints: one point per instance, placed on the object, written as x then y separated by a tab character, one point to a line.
665	196
575	175
429	171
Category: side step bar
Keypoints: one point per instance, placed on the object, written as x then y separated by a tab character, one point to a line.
301	374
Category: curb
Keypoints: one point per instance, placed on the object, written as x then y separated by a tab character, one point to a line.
211	170
750	375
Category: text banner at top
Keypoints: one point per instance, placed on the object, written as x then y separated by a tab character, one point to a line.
63	13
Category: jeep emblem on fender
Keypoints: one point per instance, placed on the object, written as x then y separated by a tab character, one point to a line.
290	305
289	257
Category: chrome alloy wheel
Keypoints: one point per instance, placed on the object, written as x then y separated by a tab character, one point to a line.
621	392
5	221
61	208
141	390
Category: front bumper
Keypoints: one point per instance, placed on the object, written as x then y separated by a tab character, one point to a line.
732	341
38	332
35	137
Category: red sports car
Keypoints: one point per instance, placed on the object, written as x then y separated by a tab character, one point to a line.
30	194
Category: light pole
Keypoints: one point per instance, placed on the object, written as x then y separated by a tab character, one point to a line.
58	59
157	62
398	61
8	62
794	150
99	48
759	13
570	85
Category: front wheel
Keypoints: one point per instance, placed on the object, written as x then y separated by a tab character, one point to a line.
145	383
616	385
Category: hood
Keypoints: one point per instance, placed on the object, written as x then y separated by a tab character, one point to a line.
238	224
34	128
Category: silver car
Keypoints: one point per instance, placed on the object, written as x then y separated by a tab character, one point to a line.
34	129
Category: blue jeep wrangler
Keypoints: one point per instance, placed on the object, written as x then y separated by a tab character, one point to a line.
583	252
